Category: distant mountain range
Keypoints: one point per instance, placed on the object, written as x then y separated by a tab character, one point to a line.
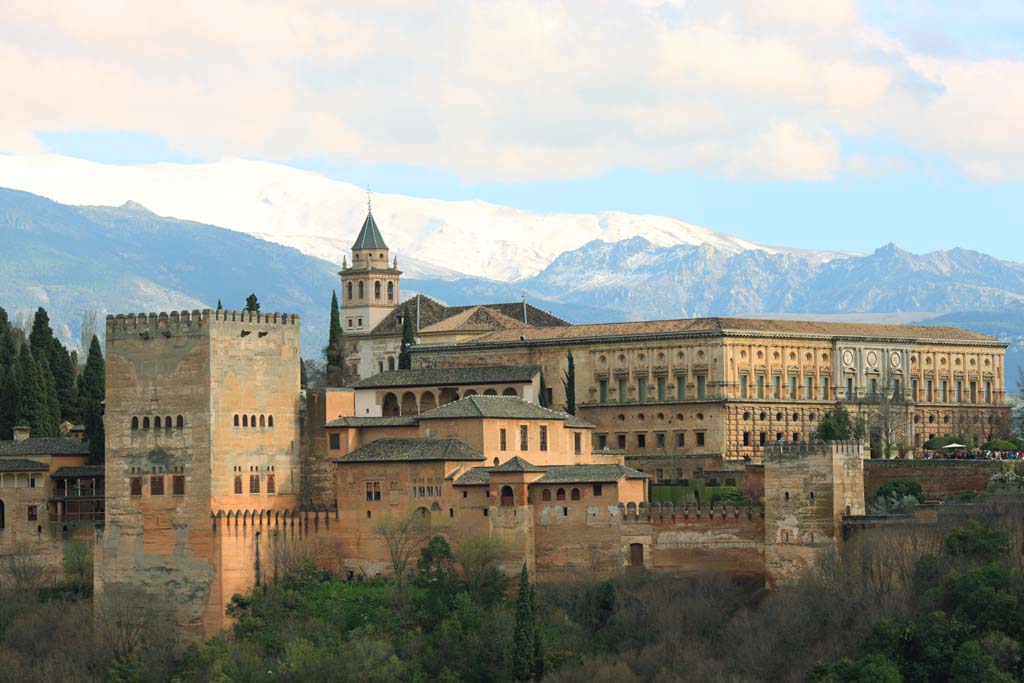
73	258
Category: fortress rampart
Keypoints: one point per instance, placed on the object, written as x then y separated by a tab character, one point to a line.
131	325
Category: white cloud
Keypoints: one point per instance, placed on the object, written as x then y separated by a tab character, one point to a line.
509	90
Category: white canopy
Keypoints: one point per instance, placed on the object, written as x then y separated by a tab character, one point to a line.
955	445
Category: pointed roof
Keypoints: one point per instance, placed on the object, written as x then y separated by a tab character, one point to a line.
369	236
517	464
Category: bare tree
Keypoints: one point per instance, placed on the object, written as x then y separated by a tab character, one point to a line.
133	623
888	416
404	536
89	325
23	570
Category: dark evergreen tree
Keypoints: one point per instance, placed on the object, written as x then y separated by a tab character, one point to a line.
32	407
569	382
303	378
528	652
543	391
51	404
220	306
408	341
8	402
252	304
335	351
91	388
8	353
41	337
64	376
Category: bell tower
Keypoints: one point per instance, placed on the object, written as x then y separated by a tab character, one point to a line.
369	287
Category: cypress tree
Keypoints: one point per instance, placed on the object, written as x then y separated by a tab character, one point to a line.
41	337
7	347
543	391
569	382
303	377
220	307
8	402
528	654
29	406
93	381
408	341
64	376
335	332
51	404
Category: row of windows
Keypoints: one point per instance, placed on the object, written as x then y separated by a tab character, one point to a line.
944	392
661	389
810	392
156	485
641	440
524	439
250	421
254	484
762	437
574	493
360	288
158	422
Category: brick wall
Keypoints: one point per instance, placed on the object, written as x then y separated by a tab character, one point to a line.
938	478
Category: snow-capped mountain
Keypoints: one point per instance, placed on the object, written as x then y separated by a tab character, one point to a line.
320	217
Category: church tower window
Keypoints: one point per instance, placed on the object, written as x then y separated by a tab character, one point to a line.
376	289
391	291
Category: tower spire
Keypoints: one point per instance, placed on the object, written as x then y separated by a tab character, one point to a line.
369	200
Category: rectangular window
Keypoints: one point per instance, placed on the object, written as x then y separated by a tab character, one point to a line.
621	441
602	390
873	386
913	390
271	485
792	387
959	391
700	439
943	393
335	441
156	486
641	389
824	388
502	440
622	390
641	441
178	485
238	485
760	386
974	391
680	439
743	386
849	387
659	439
988	392
808	388
681	388
746	438
928	390
897	389
135	486
776	387
602	442
372	491
254	483
543	437
661	388
577	442
796	437
524	437
33	513
597	489
761	438
702	382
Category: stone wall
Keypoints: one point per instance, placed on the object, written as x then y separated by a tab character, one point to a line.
938	478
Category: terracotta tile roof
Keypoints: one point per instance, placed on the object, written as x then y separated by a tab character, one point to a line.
412	450
500	407
405	421
535	317
559	474
19	465
432	312
478	319
516	464
418	377
81	472
45	445
738	326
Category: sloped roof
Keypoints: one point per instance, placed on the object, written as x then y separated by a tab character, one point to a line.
499	374
44	445
369	236
739	326
500	407
517	464
19	465
559	474
432	312
81	472
404	421
412	450
476	319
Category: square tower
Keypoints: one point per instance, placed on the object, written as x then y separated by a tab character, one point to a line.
201	417
370	286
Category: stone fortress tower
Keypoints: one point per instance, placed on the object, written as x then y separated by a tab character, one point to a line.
370	286
202	421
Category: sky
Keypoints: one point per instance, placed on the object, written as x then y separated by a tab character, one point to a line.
837	124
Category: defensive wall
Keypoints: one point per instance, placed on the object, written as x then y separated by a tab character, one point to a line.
938	478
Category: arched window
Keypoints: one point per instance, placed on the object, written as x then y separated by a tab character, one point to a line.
236	420
238	485
181	422
545	495
270	421
362	292
490	392
271	485
245	420
145	423
167	422
263	421
507	498
509	392
350	290
391	362
787	495
560	494
376	289
427	401
495	462
135	423
156	422
252	420
391	291
575	494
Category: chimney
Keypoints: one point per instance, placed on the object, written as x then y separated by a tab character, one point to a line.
21	432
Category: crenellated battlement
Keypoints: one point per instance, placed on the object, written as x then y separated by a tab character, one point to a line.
782	450
133	325
662	512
